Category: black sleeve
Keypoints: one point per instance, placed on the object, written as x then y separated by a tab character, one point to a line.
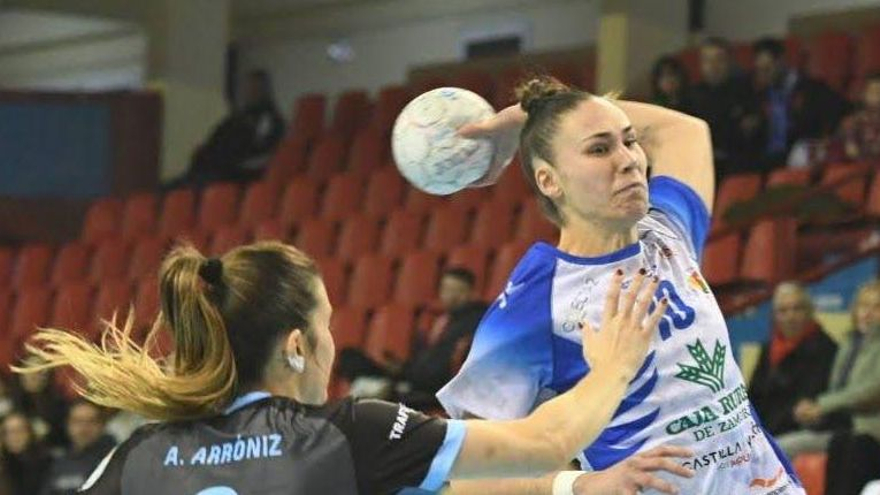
395	447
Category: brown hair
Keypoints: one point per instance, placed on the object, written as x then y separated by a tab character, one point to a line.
545	100
225	315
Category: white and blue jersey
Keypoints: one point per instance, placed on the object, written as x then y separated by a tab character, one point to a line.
689	391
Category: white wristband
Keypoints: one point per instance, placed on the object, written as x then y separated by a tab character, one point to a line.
563	483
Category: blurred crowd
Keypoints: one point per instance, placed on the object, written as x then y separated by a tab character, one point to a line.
775	116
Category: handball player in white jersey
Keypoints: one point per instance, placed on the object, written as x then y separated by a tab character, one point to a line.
585	156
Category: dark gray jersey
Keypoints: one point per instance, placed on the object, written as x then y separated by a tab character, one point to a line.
273	445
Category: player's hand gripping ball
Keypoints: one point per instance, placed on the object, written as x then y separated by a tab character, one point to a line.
427	149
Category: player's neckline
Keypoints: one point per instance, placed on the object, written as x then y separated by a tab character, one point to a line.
614	256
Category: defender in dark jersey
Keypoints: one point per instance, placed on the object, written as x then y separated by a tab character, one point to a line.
242	400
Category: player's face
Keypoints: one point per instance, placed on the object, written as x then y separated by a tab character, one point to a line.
868	312
600	165
319	362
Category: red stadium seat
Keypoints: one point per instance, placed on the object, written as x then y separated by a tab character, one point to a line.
299	202
474	259
447	228
72	308
505	261
199	239
359	235
427	84
872	205
868	51
308	116
219	206
270	230
794	52
31	310
789	176
317	238
288	161
389	336
146	304
721	259
422	203
743	56
7	261
402	233
469	199
335	277
534	226
102	220
810	468
178	212
478	82
114	297
736	188
417	279
493	225
348	326
352	112
853	190
6	307
146	257
769	252
384	192
391	101
368	152
371	280
139	217
326	159
71	263
227	238
259	203
829	58
32	266
343	197
512	186
690	59
110	260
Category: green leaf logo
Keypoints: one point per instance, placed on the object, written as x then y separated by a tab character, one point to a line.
709	371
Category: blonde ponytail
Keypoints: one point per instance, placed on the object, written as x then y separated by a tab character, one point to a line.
122	374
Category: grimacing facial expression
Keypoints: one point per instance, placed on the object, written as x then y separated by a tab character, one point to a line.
600	169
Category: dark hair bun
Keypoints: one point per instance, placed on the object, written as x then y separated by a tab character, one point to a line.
536	91
211	271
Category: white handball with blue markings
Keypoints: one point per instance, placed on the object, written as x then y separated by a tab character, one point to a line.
426	148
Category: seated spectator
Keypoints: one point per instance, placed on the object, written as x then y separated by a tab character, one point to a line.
725	100
860	132
669	84
89	444
36	396
437	352
238	148
25	461
797	109
854	391
795	364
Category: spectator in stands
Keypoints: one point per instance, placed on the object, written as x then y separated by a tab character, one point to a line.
37	397
795	364
437	352
797	109
25	461
669	84
7	399
854	391
239	147
89	443
725	100
860	132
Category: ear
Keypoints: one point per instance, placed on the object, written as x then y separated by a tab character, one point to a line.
548	180
294	345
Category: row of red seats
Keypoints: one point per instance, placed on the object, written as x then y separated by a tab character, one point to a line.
768	252
839	59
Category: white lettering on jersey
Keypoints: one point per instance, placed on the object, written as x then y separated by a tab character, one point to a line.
399	425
